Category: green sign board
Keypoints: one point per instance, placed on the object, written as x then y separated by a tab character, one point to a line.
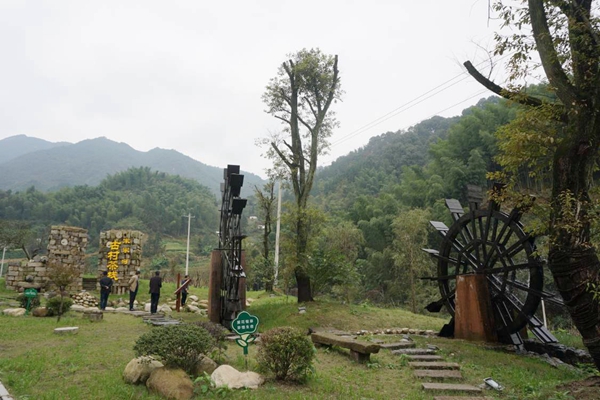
30	293
244	325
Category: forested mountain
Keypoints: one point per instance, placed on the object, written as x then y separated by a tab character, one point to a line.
49	167
16	146
151	201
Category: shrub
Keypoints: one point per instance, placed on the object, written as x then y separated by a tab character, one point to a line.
53	305
35	302
218	333
177	346
287	353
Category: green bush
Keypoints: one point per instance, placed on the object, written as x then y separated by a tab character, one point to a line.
35	302
53	305
177	346
287	353
218	333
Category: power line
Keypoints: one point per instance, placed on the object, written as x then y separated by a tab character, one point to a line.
419	99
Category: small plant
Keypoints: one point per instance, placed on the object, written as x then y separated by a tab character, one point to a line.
178	346
53	305
287	353
35	301
204	385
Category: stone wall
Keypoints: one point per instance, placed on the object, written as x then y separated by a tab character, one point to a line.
121	255
66	245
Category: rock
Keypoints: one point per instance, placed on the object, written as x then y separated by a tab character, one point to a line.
147	307
122	309
14	312
226	375
201	305
139	369
193	309
206	365
40	312
171	383
165	308
77	307
193	297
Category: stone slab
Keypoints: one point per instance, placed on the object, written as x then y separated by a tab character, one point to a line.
3	391
461	398
425	357
438	373
69	330
456	387
433	365
329	339
398	345
414	352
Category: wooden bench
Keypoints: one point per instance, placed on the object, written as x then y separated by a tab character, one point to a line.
360	351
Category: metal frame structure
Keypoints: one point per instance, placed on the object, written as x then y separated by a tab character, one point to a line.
230	244
493	243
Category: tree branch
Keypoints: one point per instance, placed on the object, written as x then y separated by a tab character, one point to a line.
282	156
548	55
520	98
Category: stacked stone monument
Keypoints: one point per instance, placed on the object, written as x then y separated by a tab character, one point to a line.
66	245
121	255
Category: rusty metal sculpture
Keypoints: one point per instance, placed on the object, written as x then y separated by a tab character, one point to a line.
230	245
493	243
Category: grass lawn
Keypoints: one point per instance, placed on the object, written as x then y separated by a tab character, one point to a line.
37	364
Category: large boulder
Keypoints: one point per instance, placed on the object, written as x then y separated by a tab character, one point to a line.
40	312
205	365
14	312
139	369
172	384
226	375
192	309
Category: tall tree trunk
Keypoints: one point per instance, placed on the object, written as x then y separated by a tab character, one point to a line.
302	278
572	259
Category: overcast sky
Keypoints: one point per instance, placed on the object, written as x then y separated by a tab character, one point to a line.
189	75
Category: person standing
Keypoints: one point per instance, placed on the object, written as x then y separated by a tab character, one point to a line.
133	288
184	291
155	285
105	288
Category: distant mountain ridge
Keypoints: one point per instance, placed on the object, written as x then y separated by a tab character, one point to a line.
27	161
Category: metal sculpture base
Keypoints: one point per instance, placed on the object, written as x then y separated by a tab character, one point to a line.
474	316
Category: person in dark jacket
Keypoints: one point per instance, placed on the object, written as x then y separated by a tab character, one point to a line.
105	288
184	292
155	285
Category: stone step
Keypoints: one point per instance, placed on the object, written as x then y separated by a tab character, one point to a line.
398	345
69	330
424	358
438	373
433	365
461	398
456	387
414	351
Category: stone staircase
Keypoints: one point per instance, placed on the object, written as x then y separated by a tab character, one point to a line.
437	376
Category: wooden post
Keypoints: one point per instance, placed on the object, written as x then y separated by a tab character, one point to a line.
178	301
214	288
242	282
473	315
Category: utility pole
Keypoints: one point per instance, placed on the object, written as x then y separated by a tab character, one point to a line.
277	233
2	263
187	253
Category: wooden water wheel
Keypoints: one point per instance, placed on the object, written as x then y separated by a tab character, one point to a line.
493	243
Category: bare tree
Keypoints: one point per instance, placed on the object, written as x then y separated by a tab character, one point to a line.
300	96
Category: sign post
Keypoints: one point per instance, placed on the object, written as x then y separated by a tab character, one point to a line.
30	293
244	325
